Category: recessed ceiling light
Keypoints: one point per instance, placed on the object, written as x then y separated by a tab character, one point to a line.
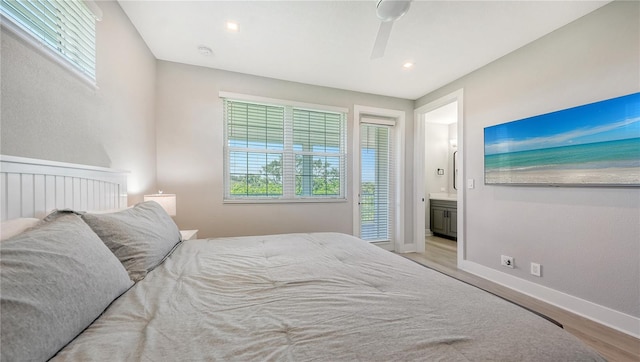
206	51
407	65
232	26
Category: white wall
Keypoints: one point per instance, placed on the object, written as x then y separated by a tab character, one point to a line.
190	157
436	156
587	239
48	113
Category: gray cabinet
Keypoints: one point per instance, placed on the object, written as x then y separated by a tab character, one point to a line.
444	218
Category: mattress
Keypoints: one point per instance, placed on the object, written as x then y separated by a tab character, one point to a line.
312	297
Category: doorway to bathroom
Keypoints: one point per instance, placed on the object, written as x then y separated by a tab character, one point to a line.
438	176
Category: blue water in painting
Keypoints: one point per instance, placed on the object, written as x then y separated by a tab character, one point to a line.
619	153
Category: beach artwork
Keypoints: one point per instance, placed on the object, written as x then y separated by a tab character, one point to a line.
596	144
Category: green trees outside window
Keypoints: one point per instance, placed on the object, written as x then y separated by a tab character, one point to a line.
325	180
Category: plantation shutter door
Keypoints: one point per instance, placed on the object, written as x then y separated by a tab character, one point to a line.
376	179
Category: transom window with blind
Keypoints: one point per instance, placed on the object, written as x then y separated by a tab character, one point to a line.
283	151
66	27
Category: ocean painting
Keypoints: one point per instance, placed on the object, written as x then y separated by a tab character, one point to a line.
596	144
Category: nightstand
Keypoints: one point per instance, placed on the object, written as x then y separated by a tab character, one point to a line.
189	234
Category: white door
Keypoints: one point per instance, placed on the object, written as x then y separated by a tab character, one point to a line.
376	189
378	159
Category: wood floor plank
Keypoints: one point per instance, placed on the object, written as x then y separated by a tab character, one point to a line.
613	345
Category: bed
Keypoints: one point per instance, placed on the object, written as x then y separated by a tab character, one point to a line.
122	286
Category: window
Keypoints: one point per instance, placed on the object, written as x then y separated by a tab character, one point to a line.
283	152
66	27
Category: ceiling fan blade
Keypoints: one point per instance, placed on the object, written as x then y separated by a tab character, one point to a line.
380	45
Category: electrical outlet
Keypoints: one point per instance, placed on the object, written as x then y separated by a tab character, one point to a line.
536	269
507	261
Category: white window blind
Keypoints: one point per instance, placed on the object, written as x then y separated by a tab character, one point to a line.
67	27
317	145
283	152
376	196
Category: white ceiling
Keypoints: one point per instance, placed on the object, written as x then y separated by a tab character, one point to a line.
329	43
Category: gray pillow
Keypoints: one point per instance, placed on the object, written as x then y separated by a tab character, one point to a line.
141	237
57	278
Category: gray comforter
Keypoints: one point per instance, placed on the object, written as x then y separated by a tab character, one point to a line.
307	297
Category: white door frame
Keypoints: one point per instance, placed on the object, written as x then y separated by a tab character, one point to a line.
399	151
418	171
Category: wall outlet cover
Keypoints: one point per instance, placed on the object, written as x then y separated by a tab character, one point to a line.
507	261
536	269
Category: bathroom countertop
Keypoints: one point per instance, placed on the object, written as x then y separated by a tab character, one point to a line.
443	196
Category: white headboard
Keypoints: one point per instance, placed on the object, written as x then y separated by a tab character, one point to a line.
33	188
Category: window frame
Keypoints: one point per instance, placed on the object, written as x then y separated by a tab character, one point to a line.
288	153
58	55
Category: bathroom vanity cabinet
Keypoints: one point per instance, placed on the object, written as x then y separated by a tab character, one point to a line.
444	218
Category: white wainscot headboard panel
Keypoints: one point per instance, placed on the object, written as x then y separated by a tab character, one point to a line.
33	188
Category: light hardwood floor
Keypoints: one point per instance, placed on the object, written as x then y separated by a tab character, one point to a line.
613	345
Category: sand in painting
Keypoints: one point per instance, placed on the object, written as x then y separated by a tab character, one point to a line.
603	176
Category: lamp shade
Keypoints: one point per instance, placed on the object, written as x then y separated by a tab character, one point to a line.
167	201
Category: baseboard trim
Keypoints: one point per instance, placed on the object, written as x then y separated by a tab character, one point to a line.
405	248
606	316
